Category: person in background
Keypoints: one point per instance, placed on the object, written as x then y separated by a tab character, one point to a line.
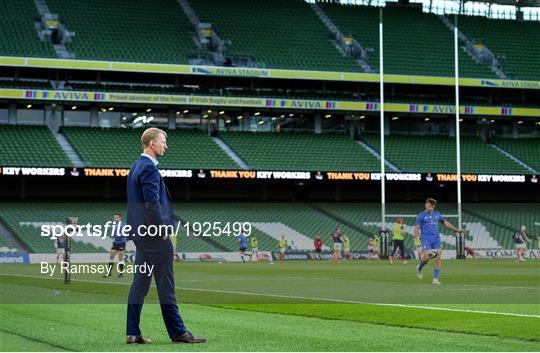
470	253
521	240
242	241
337	241
370	246
377	246
318	248
118	246
254	244
346	247
60	245
399	241
282	247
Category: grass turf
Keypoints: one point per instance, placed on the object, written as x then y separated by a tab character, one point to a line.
100	327
15	343
238	314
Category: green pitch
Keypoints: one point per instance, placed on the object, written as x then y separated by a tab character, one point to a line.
485	305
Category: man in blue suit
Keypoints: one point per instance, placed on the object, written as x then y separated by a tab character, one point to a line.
149	206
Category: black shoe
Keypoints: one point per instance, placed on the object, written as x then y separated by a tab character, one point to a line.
137	340
187	337
109	275
120	275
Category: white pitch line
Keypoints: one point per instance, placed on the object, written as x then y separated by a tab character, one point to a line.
410	306
501	287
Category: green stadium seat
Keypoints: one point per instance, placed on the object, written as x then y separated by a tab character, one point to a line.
19	36
516	44
528	149
187	149
476	155
127	31
415	43
294	38
357	221
300	151
17	215
26	145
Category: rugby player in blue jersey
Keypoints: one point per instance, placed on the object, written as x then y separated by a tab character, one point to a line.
427	226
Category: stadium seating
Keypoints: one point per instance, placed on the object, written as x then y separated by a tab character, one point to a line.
482	234
279	34
528	150
516	44
476	156
263	151
495	221
415	43
298	217
25	84
506	219
188	149
225	213
299	40
491	225
24	218
127	30
295	151
369	217
19	36
18	217
24	145
5	247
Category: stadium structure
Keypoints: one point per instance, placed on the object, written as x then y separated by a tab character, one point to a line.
272	122
297	117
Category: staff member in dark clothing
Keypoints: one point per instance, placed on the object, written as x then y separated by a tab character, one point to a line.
149	206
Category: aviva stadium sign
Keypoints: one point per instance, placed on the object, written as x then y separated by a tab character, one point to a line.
259	72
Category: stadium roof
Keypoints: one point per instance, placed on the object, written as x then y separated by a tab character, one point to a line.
519	3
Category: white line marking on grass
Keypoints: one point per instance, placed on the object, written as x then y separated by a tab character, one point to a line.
500	287
342	301
480	288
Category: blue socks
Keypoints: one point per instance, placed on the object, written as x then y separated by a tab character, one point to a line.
421	266
436	273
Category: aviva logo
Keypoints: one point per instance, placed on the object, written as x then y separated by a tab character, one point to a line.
65	95
488	83
198	70
444	109
313	104
300	103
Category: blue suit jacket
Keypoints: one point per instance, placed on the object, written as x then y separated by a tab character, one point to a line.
149	202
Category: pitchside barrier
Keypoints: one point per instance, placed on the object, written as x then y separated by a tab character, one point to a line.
263	256
130	257
14	258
